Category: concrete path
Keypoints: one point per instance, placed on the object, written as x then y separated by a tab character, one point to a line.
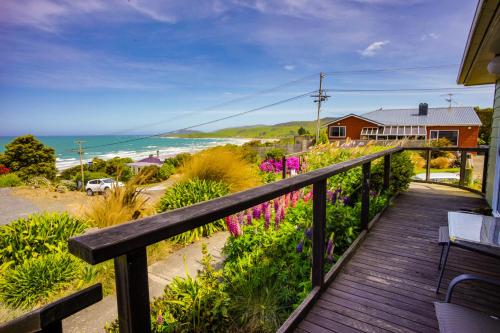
13	207
161	273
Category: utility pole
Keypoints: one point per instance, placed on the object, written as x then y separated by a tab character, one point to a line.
320	97
80	151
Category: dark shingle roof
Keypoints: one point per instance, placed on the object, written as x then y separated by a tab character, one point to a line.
456	116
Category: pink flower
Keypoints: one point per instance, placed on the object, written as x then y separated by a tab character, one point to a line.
233	226
308	196
240	218
257	210
267	217
249	216
276	205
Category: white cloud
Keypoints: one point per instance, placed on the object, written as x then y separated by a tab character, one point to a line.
430	35
289	67
373	48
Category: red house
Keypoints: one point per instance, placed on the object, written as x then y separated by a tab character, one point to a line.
460	125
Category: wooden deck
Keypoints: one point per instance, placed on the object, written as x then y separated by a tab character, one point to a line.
389	284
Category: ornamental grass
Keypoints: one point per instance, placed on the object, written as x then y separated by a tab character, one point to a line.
222	165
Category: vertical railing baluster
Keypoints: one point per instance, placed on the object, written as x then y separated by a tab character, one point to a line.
283	167
463	162
132	292
428	165
485	171
387	171
365	196
318	237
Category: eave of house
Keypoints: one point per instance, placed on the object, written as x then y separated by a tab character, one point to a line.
355	116
482	45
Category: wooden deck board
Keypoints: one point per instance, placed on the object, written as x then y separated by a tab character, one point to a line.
388	285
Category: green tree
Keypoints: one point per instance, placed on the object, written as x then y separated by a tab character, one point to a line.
28	157
486	116
302	131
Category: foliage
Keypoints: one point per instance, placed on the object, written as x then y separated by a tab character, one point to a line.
302	131
3	169
323	137
120	205
69	184
150	174
38	182
178	160
441	162
486	117
166	170
274	154
36	235
117	167
28	157
73	172
10	180
221	164
89	175
33	280
188	193
417	160
402	169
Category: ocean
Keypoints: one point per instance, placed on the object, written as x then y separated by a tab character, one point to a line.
135	147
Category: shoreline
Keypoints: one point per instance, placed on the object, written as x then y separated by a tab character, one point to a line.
164	152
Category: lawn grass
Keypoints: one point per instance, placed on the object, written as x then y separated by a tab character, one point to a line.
434	170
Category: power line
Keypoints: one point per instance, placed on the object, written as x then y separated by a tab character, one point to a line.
394	69
216	106
205	123
410	89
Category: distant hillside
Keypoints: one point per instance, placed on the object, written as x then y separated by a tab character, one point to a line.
280	130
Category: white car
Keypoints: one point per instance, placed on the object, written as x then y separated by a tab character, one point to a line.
102	185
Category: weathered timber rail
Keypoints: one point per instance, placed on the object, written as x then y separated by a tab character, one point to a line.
126	244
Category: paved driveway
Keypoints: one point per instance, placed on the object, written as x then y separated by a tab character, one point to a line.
13	207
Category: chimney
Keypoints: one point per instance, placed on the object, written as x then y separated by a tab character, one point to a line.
422	109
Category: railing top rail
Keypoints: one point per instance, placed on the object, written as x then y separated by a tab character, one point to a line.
43	317
475	149
112	242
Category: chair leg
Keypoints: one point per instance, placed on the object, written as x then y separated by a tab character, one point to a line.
447	251
441	256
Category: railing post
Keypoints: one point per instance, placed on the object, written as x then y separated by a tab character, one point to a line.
485	171
318	237
365	197
283	167
132	293
463	162
428	166
387	171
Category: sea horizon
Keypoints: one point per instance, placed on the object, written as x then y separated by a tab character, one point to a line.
109	146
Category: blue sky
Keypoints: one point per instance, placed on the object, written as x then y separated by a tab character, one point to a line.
73	67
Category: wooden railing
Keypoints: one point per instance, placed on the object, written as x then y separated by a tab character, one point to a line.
463	161
126	244
48	319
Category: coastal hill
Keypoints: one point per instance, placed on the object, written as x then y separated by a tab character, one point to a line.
280	130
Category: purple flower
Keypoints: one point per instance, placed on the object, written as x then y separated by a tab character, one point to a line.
288	197
293	163
329	250
277	218
282	213
339	190
309	233
373	193
249	216
240	218
334	198
276	205
295	198
346	200
329	194
257	210
160	320
267	217
300	246
233	226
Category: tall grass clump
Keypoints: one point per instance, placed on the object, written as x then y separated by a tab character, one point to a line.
27	284
222	164
37	235
10	180
188	193
120	205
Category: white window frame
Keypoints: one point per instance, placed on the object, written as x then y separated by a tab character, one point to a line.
458	135
337	137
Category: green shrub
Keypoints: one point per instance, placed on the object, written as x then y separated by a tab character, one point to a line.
10	180
72	172
89	175
37	235
69	184
402	169
38	182
274	154
178	160
191	192
29	283
149	174
166	170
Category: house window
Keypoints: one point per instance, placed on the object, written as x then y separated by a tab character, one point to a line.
369	133
452	136
337	131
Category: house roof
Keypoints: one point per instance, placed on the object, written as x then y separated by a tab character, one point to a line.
151	159
454	116
483	44
353	115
